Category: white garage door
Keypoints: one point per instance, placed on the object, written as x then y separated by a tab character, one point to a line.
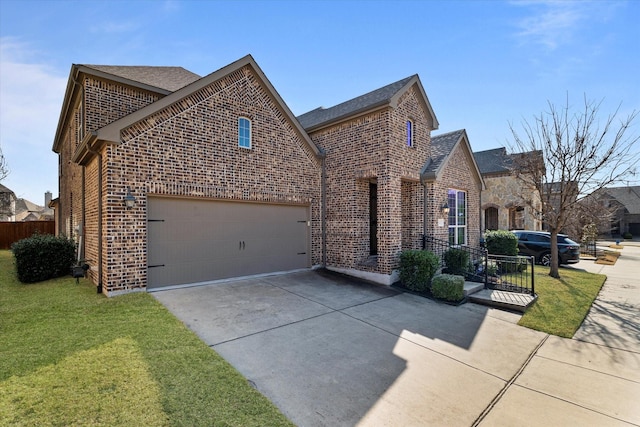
193	241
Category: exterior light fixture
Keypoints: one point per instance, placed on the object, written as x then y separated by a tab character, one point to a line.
129	200
445	209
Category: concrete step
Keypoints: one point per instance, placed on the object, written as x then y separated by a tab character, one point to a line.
502	299
472	287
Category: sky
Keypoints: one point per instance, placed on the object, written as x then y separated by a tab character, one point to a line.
483	64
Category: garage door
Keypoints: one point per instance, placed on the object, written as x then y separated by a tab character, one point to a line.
193	241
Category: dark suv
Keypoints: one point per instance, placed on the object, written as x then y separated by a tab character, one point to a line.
538	245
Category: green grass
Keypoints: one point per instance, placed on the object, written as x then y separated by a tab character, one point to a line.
69	356
562	303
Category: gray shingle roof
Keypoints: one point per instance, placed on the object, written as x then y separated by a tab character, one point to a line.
441	147
167	78
361	103
493	161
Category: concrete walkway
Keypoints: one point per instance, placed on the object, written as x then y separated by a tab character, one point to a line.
330	351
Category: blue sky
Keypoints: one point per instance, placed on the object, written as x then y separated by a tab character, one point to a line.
483	64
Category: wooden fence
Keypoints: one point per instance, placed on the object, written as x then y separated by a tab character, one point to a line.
11	232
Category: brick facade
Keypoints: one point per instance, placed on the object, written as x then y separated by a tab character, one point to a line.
186	146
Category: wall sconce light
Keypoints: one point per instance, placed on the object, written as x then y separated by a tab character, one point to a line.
129	200
445	209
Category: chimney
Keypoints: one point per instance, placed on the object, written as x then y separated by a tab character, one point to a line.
47	199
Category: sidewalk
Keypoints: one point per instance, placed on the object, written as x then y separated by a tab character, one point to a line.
592	379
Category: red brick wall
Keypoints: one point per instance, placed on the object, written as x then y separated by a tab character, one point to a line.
373	148
191	149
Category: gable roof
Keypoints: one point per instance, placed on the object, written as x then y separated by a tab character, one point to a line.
629	197
385	96
4	189
167	78
110	134
160	80
441	148
497	161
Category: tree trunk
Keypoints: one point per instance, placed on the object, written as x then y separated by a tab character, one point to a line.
554	266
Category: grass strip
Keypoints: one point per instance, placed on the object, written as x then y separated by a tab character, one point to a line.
562	303
69	356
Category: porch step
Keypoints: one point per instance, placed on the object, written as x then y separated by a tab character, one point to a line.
472	288
503	299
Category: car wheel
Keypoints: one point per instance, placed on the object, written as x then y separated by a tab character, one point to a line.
545	259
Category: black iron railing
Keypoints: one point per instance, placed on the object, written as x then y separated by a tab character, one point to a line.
507	273
510	273
589	248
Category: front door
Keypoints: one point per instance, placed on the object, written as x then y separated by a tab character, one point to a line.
373	219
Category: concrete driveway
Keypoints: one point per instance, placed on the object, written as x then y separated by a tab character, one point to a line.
331	351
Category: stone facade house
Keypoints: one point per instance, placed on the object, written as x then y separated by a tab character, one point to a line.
171	178
7	204
507	202
623	203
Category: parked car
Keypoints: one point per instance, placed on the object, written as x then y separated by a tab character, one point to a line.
538	245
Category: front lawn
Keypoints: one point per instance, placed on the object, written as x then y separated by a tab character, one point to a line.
562	303
69	356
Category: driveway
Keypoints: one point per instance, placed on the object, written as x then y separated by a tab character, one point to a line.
332	351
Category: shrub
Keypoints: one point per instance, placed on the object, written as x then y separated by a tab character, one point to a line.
627	235
457	261
448	287
501	242
417	268
42	257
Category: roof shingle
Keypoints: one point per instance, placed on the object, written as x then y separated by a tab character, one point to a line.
167	78
364	102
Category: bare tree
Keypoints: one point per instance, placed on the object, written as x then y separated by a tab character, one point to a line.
4	168
580	155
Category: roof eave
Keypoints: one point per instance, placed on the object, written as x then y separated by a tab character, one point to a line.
111	133
415	80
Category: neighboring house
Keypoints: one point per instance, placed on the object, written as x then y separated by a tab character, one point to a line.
624	205
172	179
7	204
508	202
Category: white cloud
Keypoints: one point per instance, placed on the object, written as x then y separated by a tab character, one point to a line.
30	100
552	23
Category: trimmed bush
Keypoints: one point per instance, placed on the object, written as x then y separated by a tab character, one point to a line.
417	268
448	287
457	261
501	242
42	257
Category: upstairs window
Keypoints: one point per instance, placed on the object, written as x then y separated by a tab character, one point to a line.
244	132
409	133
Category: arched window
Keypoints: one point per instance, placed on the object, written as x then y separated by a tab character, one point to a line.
244	132
410	131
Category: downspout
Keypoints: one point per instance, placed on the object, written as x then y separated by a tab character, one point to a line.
99	156
323	213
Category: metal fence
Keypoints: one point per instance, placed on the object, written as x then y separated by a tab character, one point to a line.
507	273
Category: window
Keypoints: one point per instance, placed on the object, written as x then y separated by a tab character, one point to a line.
244	132
409	133
457	202
516	218
491	218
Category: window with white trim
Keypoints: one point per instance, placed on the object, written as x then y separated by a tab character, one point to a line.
244	132
410	131
457	202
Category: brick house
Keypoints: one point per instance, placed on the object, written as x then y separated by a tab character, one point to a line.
172	179
503	203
